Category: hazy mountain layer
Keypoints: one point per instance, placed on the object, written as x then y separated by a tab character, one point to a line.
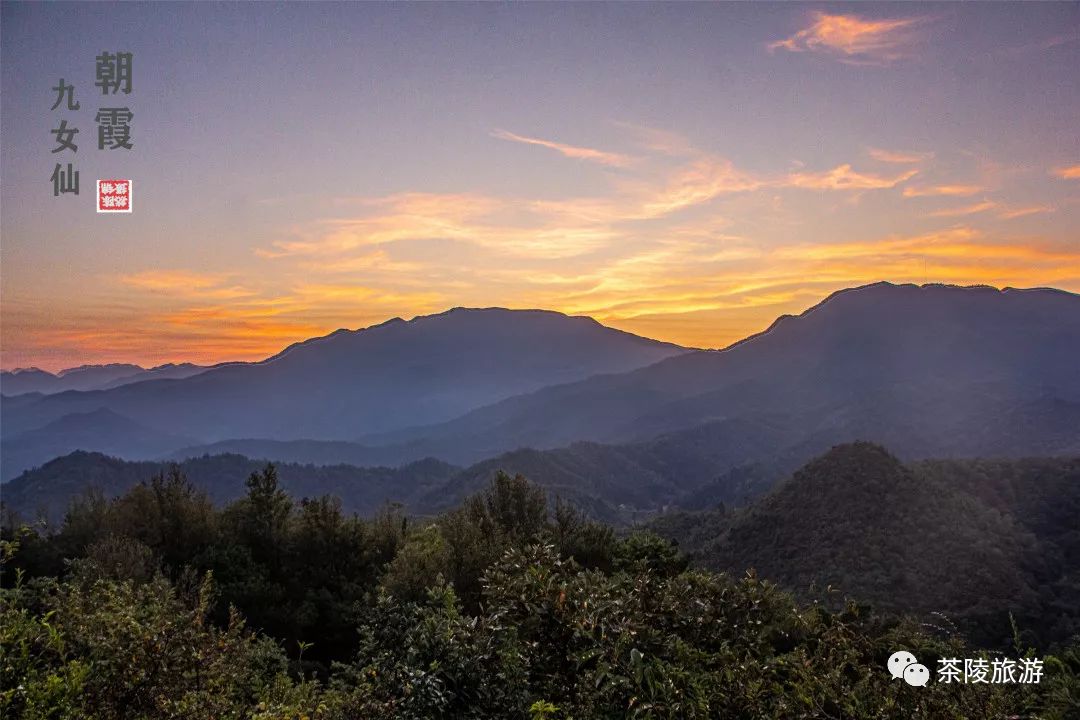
88	377
101	430
382	378
929	371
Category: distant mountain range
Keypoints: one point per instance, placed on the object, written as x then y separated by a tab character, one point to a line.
89	377
625	424
931	371
617	484
101	429
350	383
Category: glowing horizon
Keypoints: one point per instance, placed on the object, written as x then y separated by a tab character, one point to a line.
263	355
686	173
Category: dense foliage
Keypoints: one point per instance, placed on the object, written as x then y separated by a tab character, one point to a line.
47	491
979	540
158	605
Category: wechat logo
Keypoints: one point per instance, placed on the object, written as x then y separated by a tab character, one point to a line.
903	664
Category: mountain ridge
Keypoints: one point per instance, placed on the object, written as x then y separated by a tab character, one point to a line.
391	375
925	350
929	370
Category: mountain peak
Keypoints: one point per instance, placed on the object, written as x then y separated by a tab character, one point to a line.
27	371
383	378
860	464
128	367
884	288
494	311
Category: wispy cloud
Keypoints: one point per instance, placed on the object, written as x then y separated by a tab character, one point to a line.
959	243
1071	172
1066	38
172	279
571	151
698	182
843	177
852	38
899	157
943	190
965	210
746	289
1018	212
185	283
557	228
657	140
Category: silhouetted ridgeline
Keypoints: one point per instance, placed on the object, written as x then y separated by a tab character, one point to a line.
386	377
931	371
88	377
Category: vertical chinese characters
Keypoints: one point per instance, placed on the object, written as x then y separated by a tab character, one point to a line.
65	180
113	74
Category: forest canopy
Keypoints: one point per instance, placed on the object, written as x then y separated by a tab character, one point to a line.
156	604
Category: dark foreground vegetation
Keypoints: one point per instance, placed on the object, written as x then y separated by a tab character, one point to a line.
987	542
158	605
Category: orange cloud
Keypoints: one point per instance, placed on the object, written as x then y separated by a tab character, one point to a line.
1010	214
698	182
965	210
852	38
1068	173
946	190
570	151
524	227
955	243
844	178
743	284
171	280
546	228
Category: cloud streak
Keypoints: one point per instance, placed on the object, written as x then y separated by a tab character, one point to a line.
574	152
972	209
899	157
1071	172
943	190
843	177
853	39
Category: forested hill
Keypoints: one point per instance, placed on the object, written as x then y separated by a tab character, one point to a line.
616	483
975	539
157	605
50	489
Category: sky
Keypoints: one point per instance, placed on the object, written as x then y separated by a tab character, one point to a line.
683	171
